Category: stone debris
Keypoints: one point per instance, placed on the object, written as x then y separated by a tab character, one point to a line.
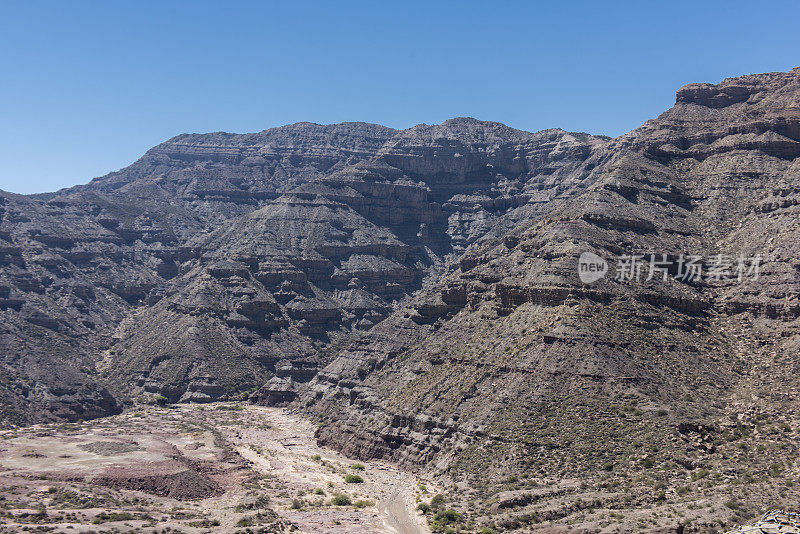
773	522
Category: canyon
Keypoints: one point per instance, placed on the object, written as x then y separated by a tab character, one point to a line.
415	294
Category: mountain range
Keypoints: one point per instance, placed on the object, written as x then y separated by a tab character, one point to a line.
417	293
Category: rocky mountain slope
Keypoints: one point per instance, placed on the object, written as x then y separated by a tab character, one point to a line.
78	263
510	371
418	293
218	263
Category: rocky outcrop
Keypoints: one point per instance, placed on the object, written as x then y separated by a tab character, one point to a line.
276	392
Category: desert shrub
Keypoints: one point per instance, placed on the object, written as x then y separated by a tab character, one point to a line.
261	503
353	479
358	467
648	463
232	407
445	517
161	400
341	500
424	507
204	523
437	501
105	517
245	522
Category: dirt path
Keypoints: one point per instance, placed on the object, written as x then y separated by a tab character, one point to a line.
400	517
288	451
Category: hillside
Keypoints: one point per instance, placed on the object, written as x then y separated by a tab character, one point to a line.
510	373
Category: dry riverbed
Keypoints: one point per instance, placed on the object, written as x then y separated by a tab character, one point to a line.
190	468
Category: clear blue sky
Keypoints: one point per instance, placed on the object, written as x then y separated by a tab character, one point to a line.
87	87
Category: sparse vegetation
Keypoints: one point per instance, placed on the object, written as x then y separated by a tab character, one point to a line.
107	517
341	500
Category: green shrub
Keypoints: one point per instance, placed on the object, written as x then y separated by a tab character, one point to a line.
358	467
341	500
161	400
446	517
424	507
353	479
319	491
364	504
437	501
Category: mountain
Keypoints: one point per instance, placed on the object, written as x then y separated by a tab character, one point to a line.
418	293
509	373
218	262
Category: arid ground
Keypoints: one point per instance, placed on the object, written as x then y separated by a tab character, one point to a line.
212	468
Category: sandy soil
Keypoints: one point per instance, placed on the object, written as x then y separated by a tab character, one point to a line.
211	468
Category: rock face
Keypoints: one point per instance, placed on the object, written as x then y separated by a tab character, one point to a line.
267	293
217	262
